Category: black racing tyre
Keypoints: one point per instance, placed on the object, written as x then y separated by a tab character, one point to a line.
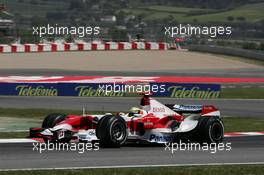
99	125
52	119
210	130
111	131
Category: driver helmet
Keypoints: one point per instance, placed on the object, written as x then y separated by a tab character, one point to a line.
134	110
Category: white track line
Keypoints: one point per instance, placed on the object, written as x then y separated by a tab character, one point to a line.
134	166
243	134
17	141
231	134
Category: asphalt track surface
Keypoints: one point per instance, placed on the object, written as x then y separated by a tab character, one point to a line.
22	156
123	61
228	107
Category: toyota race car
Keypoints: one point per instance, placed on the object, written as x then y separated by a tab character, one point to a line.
154	123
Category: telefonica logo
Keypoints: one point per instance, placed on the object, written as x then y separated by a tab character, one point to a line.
194	92
26	90
88	91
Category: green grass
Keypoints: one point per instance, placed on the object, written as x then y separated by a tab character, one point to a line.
242	93
28	9
153	14
187	170
242	124
38	113
13	135
170	10
251	12
173	9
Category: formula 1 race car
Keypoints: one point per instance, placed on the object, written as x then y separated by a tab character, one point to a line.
154	122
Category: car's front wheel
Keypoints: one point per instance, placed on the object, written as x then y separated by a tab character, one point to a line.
52	119
49	122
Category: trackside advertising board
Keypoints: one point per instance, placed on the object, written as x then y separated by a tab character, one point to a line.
173	90
29	89
189	90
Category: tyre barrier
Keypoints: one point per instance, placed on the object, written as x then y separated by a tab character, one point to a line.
82	46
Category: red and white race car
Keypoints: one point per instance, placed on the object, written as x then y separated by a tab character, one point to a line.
154	122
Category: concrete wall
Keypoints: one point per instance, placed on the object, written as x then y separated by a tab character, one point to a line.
258	55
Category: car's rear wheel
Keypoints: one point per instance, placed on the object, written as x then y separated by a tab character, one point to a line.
111	131
211	130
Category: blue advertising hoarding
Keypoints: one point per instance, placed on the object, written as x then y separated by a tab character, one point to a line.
188	90
29	89
173	90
